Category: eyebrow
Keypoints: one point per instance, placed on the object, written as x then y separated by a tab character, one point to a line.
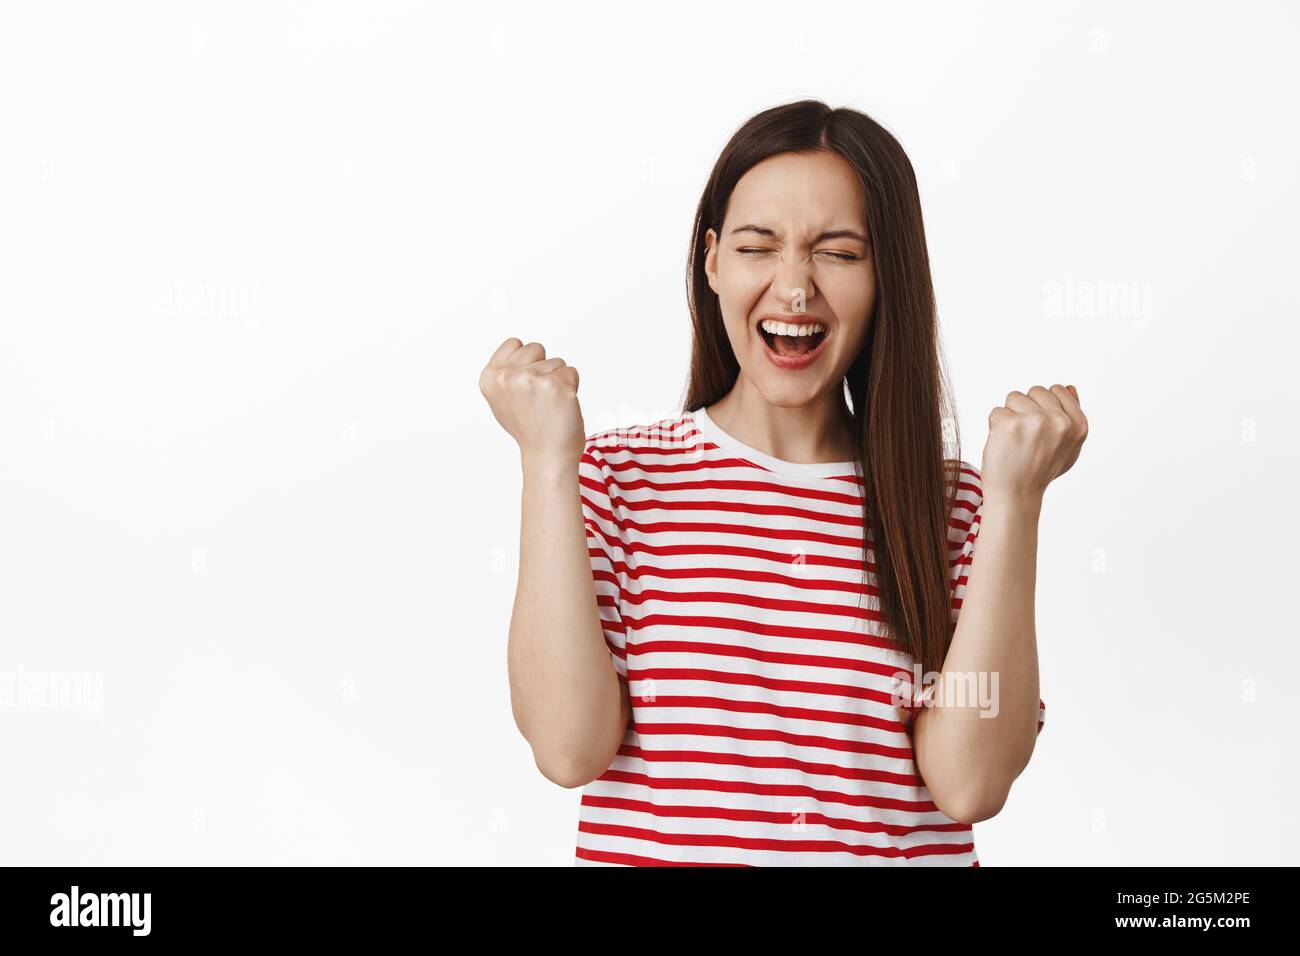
822	237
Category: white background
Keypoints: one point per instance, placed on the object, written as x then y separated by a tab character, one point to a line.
253	257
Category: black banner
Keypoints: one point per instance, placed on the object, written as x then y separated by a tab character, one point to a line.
894	905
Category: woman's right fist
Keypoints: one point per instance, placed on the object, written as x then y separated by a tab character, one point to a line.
535	399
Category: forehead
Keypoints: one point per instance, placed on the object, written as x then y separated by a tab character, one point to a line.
800	191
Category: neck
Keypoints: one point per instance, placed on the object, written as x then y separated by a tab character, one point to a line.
815	432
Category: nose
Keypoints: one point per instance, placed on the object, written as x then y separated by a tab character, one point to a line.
793	285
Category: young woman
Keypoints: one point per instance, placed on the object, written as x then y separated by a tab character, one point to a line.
776	574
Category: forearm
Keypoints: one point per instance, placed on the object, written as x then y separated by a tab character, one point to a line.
970	751
566	696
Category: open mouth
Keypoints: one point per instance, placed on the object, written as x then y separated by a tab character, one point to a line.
789	339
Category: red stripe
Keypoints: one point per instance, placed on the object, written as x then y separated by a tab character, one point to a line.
741	574
733	484
784	846
736	507
837	717
767	816
755	627
714	758
871	800
717	527
746	653
750	600
771	683
645	729
785	558
630	859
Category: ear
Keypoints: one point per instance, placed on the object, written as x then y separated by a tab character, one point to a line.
711	259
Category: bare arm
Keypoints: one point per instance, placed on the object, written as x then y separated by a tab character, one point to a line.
566	696
968	760
969	756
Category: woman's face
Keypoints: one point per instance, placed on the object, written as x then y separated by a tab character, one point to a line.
795	248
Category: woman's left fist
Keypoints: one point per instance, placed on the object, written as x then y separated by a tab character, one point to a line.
1033	439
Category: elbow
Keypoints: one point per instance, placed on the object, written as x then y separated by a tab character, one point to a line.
971	794
980	799
571	770
564	774
972	806
572	758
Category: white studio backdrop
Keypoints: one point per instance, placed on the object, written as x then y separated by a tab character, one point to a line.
258	528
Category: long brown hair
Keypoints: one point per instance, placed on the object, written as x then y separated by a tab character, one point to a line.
899	400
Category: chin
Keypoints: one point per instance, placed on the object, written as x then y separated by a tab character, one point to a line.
787	394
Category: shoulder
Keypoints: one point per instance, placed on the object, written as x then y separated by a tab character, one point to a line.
967	498
639	442
615	459
967	477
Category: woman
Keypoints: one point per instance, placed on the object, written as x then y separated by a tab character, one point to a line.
792	682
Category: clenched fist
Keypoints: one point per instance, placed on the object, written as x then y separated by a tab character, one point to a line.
535	399
1033	439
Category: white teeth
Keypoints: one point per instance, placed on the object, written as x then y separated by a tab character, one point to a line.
780	328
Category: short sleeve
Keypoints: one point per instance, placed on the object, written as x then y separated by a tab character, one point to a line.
606	548
964	528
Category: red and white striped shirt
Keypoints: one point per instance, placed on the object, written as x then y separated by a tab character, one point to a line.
764	730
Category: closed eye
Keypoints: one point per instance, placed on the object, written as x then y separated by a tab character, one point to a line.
842	256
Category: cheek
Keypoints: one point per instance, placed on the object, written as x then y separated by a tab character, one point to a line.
741	284
739	291
854	302
738	333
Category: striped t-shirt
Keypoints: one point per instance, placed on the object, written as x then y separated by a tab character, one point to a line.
764	730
